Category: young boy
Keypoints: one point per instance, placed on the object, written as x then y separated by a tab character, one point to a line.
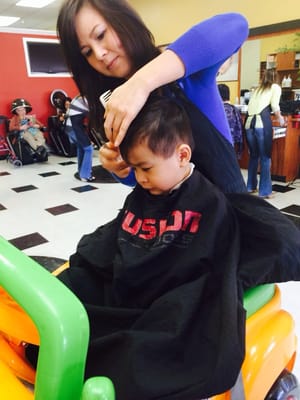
162	282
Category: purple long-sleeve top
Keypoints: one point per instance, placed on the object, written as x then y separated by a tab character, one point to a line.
203	49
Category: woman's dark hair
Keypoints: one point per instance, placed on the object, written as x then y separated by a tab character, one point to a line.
224	91
137	41
162	124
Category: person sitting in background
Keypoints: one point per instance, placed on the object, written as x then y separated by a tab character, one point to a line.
234	119
28	125
259	132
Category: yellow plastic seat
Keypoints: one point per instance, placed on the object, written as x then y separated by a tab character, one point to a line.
62	331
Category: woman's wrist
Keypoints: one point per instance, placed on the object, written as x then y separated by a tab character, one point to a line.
165	68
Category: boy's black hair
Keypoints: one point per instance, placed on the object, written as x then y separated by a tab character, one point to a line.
162	124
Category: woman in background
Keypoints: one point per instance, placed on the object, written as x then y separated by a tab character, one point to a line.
259	132
76	114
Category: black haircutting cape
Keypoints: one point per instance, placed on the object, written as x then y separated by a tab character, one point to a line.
163	287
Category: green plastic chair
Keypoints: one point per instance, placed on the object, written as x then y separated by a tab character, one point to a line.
63	327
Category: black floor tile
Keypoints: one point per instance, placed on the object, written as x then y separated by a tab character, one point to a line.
46	174
282	188
27	241
102	175
85	188
292	209
67	163
62	209
50	263
24	188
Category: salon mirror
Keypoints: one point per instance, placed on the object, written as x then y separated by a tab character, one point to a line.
265	46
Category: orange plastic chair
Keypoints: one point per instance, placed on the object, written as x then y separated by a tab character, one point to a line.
54	318
271	346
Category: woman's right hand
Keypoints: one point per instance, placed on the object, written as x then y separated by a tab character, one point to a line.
281	120
112	161
122	107
127	100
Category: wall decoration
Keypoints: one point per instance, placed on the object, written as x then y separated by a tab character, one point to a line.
229	71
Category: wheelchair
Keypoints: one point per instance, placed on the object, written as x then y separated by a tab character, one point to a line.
20	149
35	307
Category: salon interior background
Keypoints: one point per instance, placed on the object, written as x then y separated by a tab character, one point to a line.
166	19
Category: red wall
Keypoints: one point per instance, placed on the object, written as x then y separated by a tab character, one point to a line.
15	82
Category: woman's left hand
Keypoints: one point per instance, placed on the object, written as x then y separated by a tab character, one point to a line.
111	160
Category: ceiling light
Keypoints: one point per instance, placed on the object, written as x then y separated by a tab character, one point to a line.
34	3
6	21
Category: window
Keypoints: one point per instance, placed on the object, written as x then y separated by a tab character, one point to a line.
44	57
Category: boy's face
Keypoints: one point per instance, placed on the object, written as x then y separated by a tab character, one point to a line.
156	174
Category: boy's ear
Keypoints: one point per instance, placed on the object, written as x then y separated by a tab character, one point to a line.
184	154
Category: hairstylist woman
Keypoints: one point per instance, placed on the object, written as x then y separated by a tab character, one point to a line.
107	46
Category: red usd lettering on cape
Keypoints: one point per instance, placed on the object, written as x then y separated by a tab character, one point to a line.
149	228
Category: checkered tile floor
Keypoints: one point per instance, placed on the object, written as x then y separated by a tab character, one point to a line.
44	211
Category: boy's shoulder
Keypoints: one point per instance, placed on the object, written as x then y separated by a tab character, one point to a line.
230	108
